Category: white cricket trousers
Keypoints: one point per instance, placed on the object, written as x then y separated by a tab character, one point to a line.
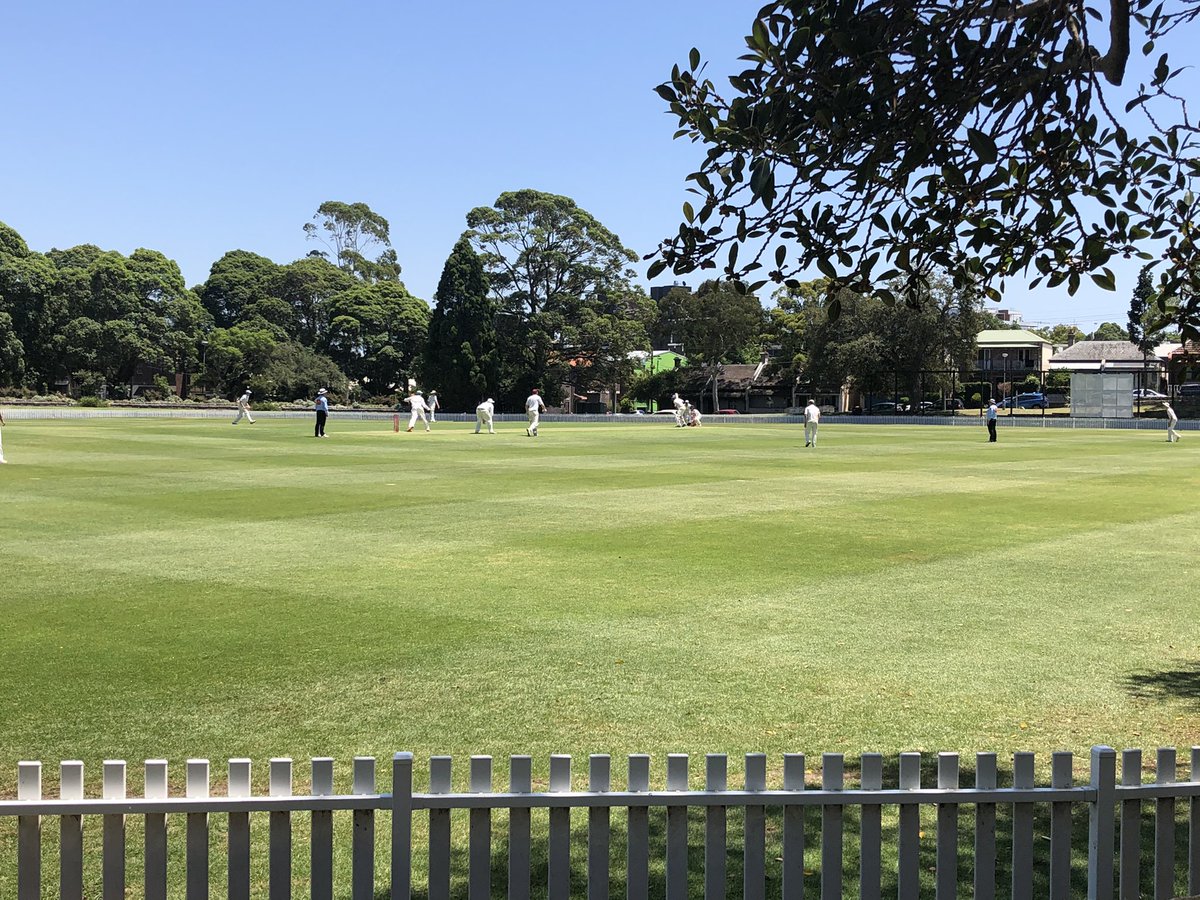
2	459
810	433
534	417
243	413
1172	434
417	414
483	417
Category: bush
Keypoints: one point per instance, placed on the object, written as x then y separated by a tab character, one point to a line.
266	406
91	401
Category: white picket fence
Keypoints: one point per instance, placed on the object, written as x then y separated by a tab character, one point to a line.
1114	812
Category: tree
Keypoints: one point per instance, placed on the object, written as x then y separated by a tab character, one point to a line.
309	286
717	324
879	346
377	334
350	230
1110	331
462	358
547	261
885	140
1062	334
1146	314
238	282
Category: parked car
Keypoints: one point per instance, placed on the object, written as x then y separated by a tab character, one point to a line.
1145	394
951	403
1191	389
728	412
1035	400
886	407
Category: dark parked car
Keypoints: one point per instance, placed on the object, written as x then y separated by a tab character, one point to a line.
1026	401
1191	389
952	403
885	407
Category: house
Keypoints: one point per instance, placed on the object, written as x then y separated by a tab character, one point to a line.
1110	357
1014	351
654	361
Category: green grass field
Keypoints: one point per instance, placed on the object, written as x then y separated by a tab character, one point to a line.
187	589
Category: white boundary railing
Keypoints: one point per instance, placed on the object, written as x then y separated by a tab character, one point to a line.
1113	809
357	415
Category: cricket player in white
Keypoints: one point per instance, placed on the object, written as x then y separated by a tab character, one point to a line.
1172	421
243	405
483	415
433	405
2	459
679	406
693	416
534	407
812	418
417	403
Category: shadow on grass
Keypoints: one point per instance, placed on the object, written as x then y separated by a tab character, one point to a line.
734	860
1168	684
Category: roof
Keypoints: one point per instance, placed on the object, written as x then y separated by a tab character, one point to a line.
1009	337
1094	351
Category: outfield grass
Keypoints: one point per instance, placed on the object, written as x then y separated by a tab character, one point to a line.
187	589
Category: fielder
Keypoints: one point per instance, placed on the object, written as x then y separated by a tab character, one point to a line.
2	459
433	405
483	415
534	407
243	405
417	402
1172	421
812	418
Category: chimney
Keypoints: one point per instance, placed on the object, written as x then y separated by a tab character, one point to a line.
1070	338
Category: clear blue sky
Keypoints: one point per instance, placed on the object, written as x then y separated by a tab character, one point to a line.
195	129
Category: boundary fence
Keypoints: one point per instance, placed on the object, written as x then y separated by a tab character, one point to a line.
1113	811
1003	421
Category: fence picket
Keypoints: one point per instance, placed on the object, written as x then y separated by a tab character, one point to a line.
1194	828
155	788
29	833
793	829
279	867
402	808
113	851
676	870
637	858
1100	823
1061	776
558	875
716	827
946	873
1129	874
520	781
197	832
754	868
908	838
70	852
985	829
1022	830
479	839
321	846
239	832
439	830
362	841
1164	828
599	781
870	841
832	779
